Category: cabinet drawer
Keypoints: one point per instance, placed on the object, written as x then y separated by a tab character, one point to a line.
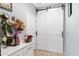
18	53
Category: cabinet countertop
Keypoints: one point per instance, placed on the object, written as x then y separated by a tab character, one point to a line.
12	49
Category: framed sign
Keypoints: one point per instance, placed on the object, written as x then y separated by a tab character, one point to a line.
69	9
7	6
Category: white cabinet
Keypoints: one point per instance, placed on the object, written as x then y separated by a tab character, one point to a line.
26	51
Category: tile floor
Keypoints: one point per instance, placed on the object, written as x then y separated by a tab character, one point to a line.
46	53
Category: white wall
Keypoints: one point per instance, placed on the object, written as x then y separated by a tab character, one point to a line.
71	42
26	12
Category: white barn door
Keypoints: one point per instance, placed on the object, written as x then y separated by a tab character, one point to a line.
49	29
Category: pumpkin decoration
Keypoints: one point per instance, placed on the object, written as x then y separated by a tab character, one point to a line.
28	38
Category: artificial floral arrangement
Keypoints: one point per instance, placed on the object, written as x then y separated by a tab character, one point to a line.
11	28
18	27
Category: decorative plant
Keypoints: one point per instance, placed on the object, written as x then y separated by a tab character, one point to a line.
4	17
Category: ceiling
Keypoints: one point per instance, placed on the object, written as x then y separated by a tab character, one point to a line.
45	5
38	5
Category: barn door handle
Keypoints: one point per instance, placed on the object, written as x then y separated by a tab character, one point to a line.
62	34
36	33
